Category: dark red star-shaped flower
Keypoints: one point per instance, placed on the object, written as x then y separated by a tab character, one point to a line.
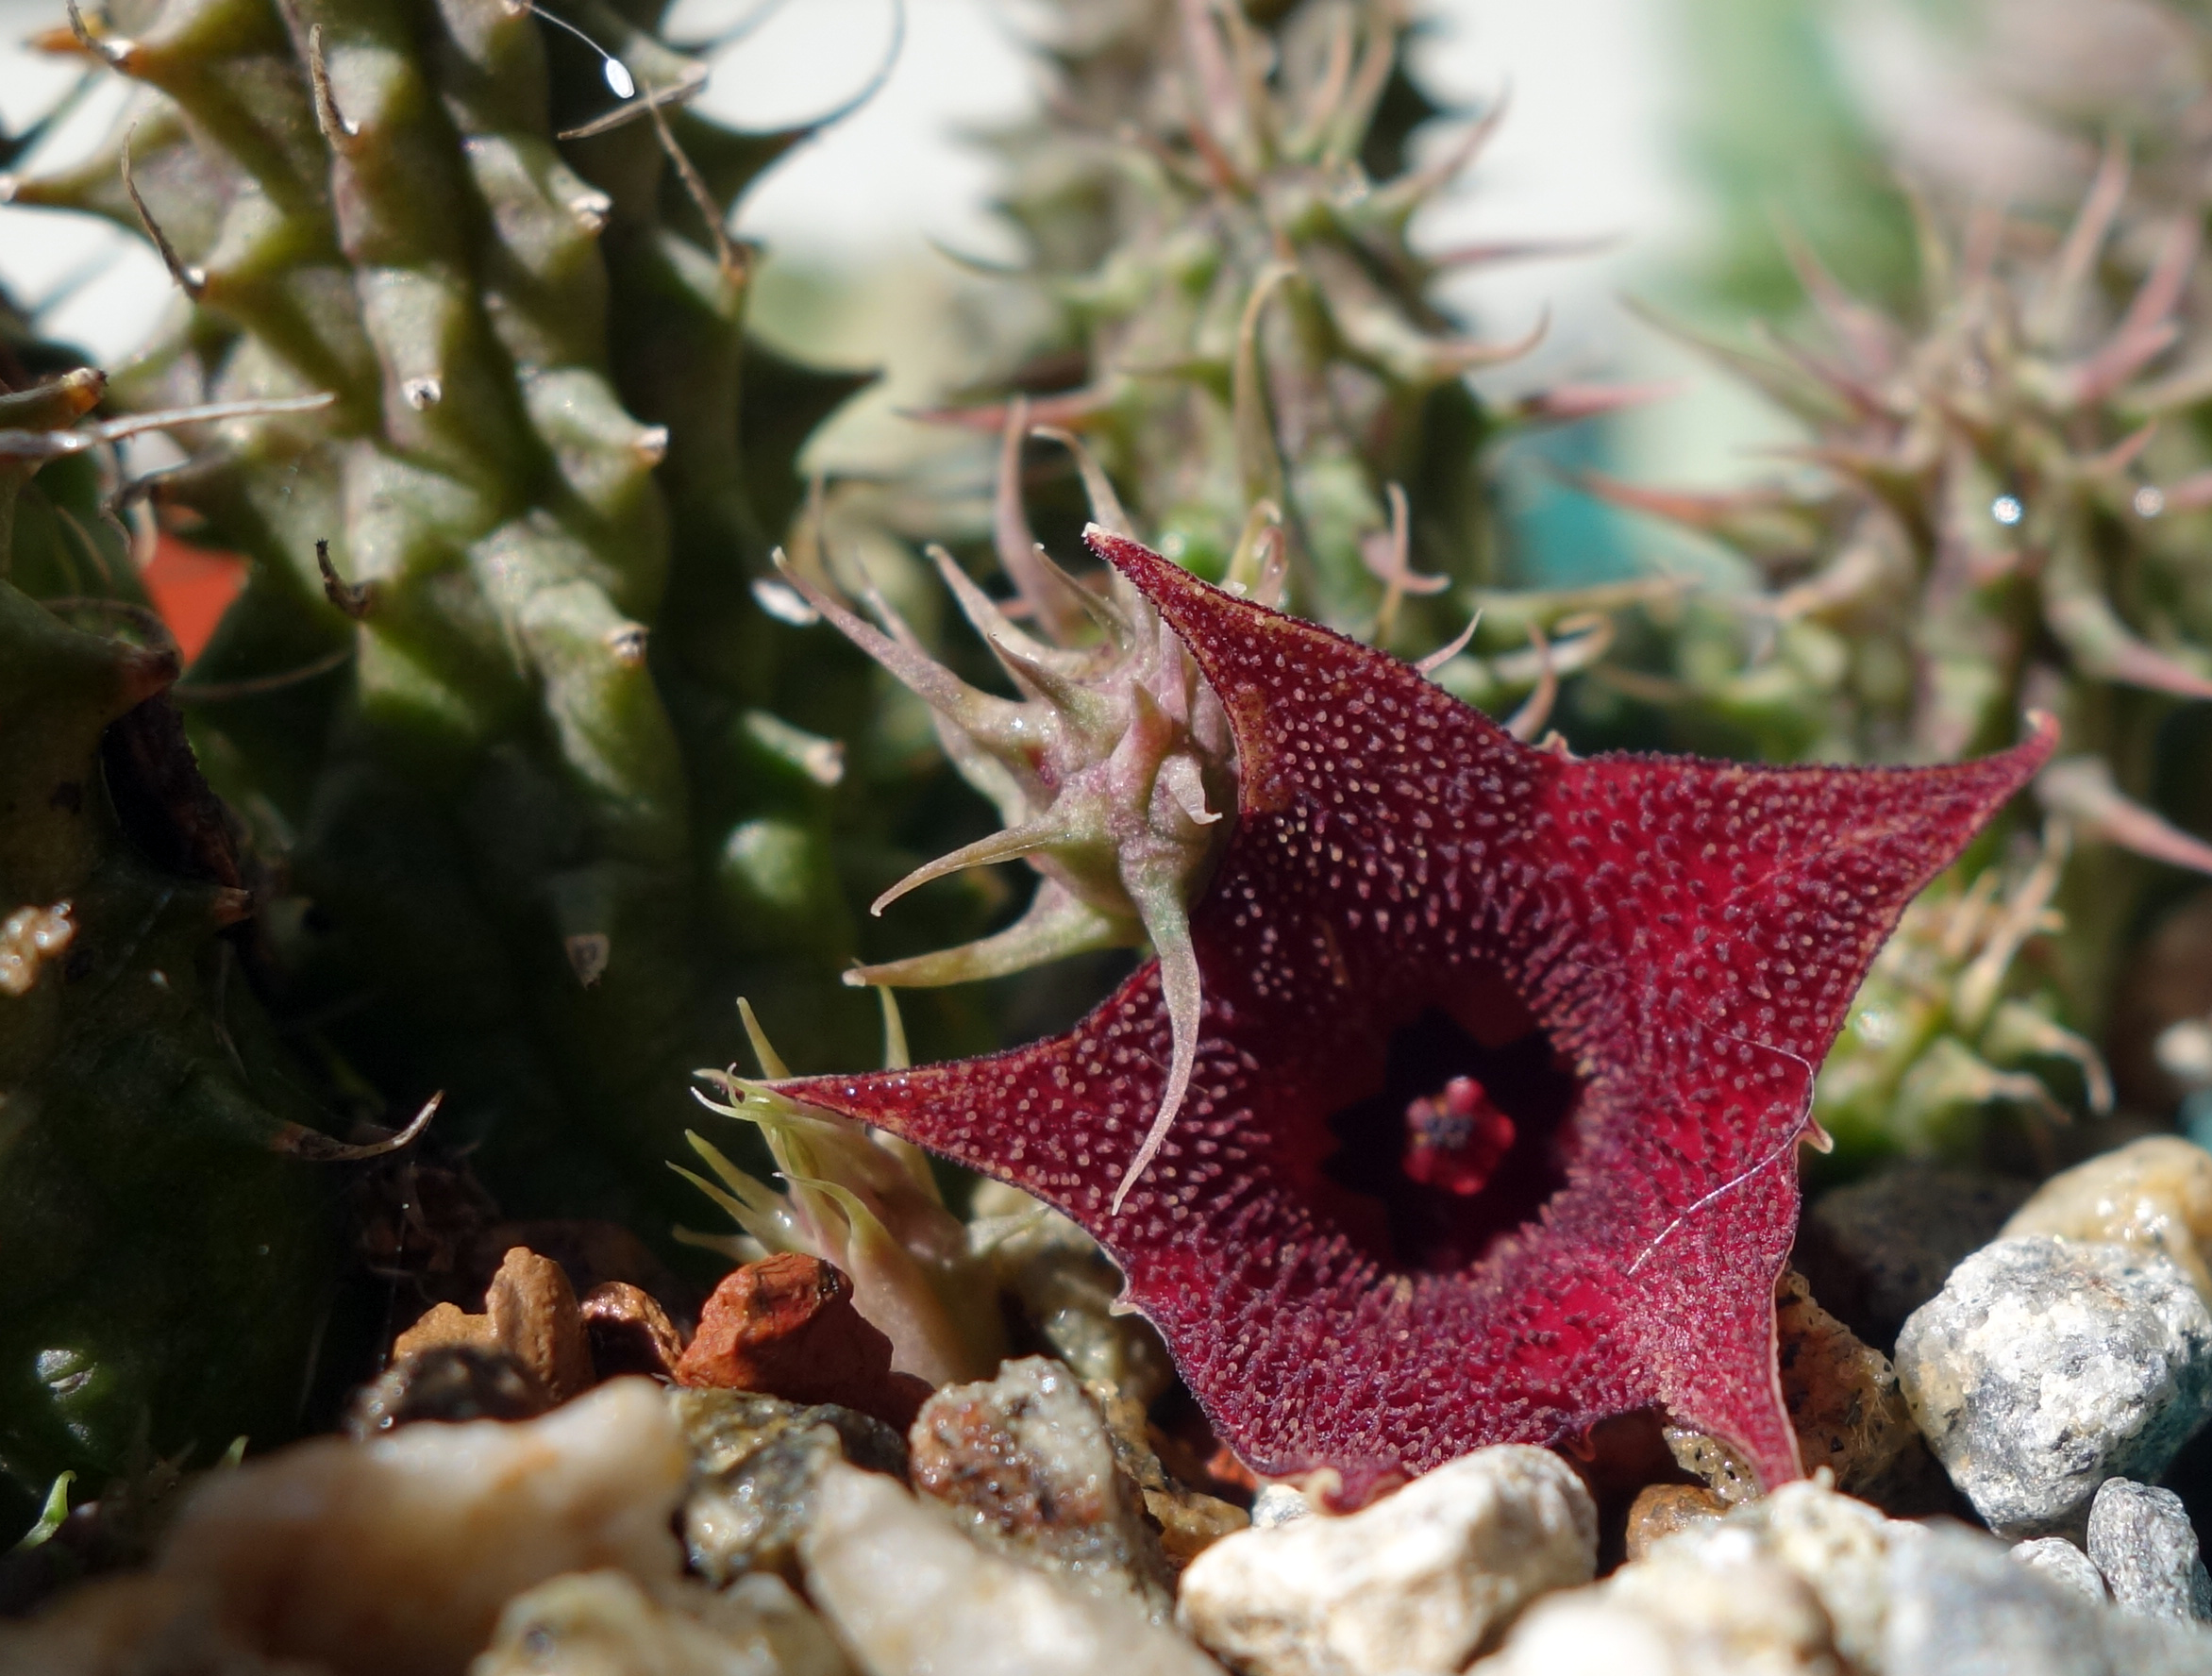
1504	1062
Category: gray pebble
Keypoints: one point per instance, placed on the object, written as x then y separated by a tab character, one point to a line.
1809	1583
907	1595
1417	1582
2140	1539
1278	1504
756	1462
1958	1606
2060	1560
1024	1465
2046	1366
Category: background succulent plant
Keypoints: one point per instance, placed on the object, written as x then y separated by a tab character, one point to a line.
1998	507
496	706
1216	202
172	1244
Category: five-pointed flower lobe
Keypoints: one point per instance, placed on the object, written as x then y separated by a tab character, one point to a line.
1639	959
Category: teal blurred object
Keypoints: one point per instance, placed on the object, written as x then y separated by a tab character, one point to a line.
2196	1117
1554	536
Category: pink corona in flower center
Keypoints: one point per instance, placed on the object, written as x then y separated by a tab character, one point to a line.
1455	1139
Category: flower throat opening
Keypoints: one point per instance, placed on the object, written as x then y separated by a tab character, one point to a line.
1463	1145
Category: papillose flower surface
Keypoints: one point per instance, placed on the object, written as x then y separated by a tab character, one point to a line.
1637	960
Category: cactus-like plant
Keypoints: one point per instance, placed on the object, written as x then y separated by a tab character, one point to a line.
1216	201
458	357
1944	1026
2001	507
171	1248
514	551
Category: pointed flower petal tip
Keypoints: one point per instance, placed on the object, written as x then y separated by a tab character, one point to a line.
1502	1064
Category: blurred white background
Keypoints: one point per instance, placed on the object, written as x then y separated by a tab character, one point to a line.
1590	147
1585	151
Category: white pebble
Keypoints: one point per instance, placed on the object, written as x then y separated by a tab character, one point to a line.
909	1595
1419	1581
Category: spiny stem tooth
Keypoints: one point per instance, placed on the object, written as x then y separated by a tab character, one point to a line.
997	630
1106	506
1258	459
337	131
1010	846
1168	925
190	278
1529	720
1057	924
771	1062
979	713
1046	593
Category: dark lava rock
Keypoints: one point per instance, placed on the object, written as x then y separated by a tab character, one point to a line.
450	1383
1876	1250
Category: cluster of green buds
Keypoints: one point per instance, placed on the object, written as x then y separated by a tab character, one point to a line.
936	1286
863	1200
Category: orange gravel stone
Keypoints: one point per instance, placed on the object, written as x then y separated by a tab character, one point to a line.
786	1326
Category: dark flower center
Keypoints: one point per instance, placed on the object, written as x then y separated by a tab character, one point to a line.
1462	1142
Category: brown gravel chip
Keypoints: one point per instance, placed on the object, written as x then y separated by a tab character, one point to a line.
591	1253
629	1332
451	1382
531	1313
1190	1521
786	1326
1659	1510
1850	1416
